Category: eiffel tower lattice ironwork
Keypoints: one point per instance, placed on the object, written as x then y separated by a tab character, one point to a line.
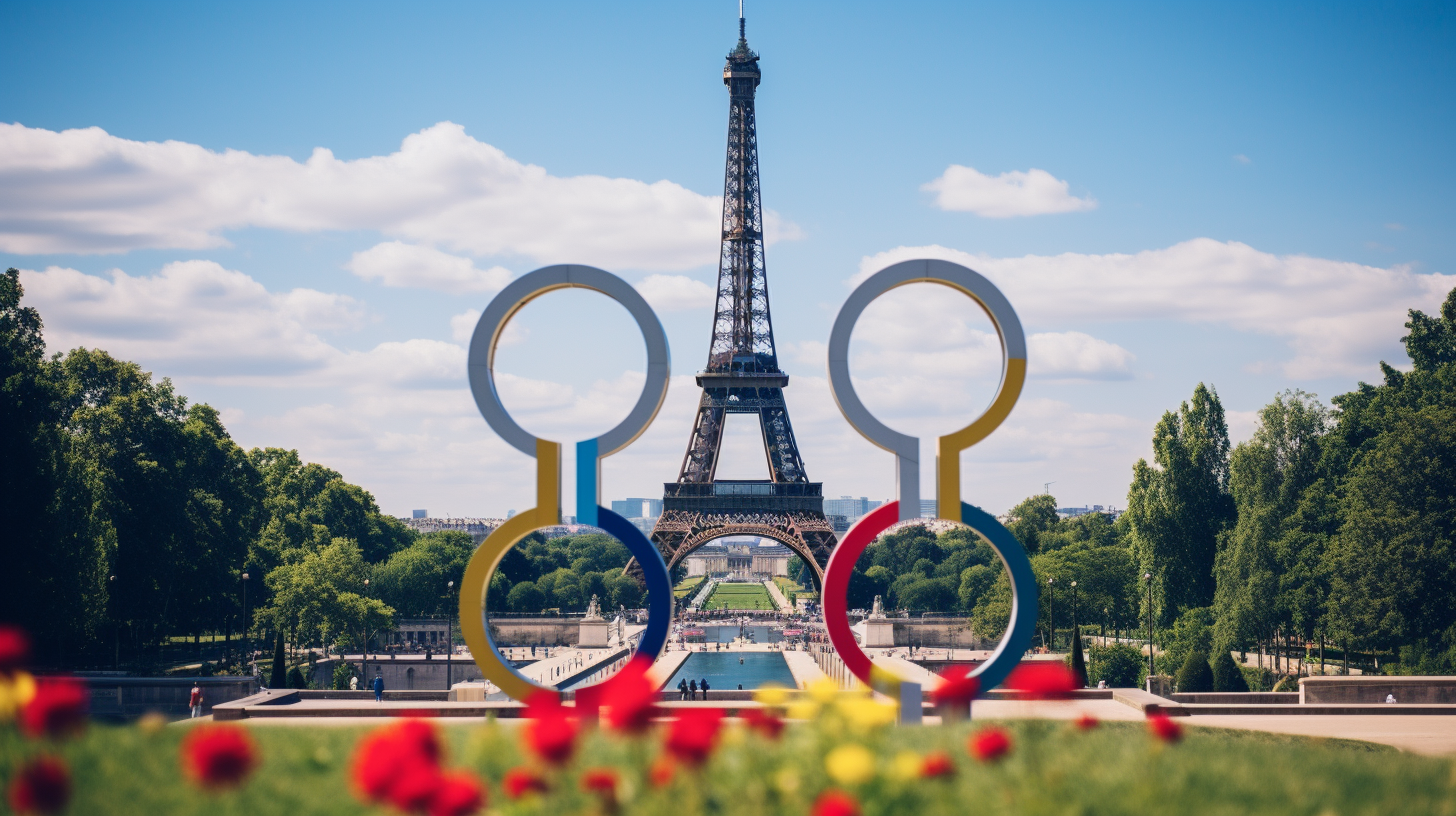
743	377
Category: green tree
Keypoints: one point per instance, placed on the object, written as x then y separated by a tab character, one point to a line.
1119	665
1179	506
1076	661
1033	518
413	580
278	677
1195	676
1226	674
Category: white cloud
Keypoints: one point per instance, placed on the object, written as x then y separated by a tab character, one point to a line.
674	293
1242	159
193	318
397	264
87	191
1011	194
1074	355
1338	318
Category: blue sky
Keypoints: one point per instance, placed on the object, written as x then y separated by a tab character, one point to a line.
1253	195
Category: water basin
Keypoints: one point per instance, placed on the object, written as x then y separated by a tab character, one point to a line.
724	672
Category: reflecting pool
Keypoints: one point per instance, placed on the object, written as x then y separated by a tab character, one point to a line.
724	672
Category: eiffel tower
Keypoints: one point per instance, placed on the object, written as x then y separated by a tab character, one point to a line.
743	377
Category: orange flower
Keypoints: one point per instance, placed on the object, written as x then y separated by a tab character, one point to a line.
693	734
58	708
835	803
42	785
763	722
1042	680
990	744
14	649
218	756
1085	722
661	772
1164	727
457	794
519	782
937	765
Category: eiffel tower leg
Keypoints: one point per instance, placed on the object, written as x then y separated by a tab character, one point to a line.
701	460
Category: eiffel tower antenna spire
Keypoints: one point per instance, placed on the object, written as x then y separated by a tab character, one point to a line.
741	35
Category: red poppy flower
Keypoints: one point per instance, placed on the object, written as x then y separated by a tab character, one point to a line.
601	781
990	744
693	734
414	786
629	697
767	724
1042	680
550	734
661	772
43	785
218	756
957	688
384	756
1085	722
457	794
1164	727
14	649
521	781
835	803
937	765
58	708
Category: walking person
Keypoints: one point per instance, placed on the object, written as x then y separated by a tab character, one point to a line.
682	690
378	686
693	690
703	684
195	701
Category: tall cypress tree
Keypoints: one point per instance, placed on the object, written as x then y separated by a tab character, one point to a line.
279	677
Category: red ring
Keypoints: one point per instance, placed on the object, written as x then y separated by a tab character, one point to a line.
836	587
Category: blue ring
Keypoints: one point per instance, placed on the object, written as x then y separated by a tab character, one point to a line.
659	582
1024	597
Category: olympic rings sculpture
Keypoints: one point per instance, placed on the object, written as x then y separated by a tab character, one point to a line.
547	512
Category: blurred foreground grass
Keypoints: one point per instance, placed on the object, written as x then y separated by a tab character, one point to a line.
1052	769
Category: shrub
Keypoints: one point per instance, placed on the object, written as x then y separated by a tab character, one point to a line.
1119	664
296	679
1195	675
342	672
1226	674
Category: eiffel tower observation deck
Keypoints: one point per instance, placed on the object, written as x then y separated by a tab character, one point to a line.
743	376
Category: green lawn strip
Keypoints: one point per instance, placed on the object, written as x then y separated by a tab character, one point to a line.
1052	768
739	596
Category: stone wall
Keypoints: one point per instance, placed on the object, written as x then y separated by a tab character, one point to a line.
535	631
406	673
116	697
1374	688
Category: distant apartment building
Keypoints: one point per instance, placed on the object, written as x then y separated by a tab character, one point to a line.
849	507
1073	512
637	508
421	514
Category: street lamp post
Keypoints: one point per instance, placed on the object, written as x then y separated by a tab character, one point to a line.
364	632
1074	609
1148	577
449	626
1052	614
115	624
247	644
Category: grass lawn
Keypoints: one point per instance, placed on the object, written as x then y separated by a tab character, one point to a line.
739	596
687	587
1114	769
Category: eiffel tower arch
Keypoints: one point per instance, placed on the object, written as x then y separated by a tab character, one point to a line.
743	377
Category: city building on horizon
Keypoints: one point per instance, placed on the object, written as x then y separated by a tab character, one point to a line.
637	508
421	514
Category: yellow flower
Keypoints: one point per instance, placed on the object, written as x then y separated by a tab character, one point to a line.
866	714
15	691
824	690
906	766
735	736
152	723
850	764
786	780
771	695
803	710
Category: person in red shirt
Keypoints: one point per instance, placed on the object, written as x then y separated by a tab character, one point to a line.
195	700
